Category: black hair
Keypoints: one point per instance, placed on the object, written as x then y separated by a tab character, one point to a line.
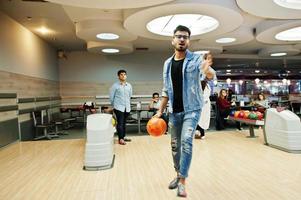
156	93
121	71
182	28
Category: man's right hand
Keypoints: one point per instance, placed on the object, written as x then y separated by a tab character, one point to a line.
158	114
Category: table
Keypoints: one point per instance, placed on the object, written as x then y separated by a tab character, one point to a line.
138	112
250	122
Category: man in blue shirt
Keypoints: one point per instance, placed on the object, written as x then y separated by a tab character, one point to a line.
182	74
120	96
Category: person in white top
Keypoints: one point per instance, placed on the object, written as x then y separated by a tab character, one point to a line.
204	120
155	102
261	101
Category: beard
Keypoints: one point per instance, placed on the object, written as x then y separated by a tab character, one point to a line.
180	47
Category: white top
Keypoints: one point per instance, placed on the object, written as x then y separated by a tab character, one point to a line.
204	120
263	103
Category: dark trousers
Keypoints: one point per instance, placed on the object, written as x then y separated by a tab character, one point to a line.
202	131
121	121
225	114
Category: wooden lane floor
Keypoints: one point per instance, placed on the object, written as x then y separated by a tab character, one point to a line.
226	165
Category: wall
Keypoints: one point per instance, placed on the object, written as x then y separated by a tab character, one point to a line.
88	74
23	52
28	68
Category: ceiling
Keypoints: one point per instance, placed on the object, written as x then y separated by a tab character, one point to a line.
74	24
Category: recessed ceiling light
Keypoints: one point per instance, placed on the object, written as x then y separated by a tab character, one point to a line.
228	73
110	50
292	4
201	52
225	40
43	30
107	36
293	34
279	54
228	70
257	71
198	24
228	81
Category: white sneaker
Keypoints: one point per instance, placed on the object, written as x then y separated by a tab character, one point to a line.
197	133
203	137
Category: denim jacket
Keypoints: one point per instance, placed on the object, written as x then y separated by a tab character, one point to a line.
192	75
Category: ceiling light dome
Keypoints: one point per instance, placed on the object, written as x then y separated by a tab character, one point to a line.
198	24
110	50
293	34
292	4
107	36
278	54
225	40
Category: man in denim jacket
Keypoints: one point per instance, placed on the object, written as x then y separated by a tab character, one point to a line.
181	88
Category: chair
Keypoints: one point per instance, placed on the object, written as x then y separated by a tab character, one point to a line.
38	120
54	118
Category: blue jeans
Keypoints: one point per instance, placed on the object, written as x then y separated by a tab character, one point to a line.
181	127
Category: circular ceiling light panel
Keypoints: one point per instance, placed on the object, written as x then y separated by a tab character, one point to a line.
278	54
279	31
96	30
216	19
198	24
242	35
109	48
225	40
291	4
280	50
107	36
270	9
293	34
111	4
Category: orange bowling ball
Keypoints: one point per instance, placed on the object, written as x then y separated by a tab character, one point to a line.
247	113
156	127
236	114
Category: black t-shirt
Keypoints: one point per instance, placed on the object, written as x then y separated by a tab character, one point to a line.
177	83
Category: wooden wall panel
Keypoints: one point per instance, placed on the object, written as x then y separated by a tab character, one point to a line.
26	86
74	89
